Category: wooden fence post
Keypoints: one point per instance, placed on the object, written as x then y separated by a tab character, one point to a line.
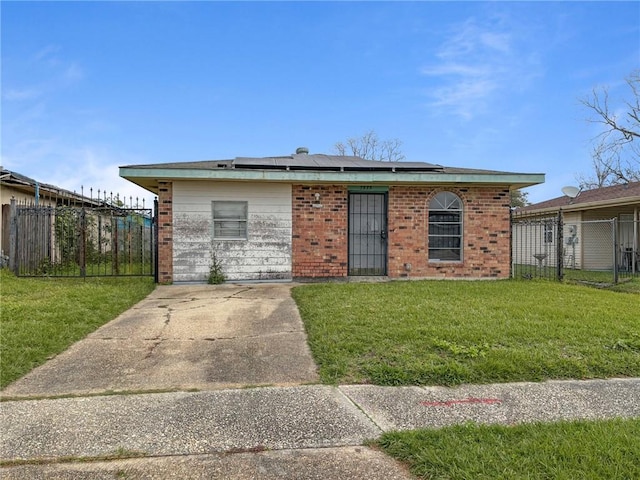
13	237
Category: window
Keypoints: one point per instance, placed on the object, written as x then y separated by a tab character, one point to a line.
229	220
548	232
445	228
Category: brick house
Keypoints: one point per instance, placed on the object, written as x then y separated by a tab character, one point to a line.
307	216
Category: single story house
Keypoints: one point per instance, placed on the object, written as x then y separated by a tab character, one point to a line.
26	191
305	216
600	227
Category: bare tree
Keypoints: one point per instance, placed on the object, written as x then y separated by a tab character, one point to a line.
370	147
616	153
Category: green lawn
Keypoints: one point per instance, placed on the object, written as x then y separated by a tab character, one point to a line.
452	332
631	285
566	450
42	317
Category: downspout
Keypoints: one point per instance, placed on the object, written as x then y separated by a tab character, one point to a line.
37	193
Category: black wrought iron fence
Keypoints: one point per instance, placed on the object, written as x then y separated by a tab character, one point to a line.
81	238
536	246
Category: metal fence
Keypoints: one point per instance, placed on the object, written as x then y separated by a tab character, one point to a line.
598	251
81	238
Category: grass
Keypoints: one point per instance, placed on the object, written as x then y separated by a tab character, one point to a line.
42	317
100	269
569	274
565	450
627	286
447	333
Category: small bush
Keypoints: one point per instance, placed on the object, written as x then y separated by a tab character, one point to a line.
216	274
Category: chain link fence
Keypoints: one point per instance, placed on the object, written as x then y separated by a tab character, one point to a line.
596	251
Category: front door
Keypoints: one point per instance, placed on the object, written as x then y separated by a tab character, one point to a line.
367	233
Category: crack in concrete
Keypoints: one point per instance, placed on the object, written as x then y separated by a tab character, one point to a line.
257	335
235	295
158	339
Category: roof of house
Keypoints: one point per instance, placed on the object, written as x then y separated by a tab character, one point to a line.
29	186
300	162
624	194
320	168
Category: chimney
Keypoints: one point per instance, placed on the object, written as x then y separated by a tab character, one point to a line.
302	151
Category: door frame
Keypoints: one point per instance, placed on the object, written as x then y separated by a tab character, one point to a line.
383	192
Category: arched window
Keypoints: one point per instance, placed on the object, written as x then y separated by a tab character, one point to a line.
445	228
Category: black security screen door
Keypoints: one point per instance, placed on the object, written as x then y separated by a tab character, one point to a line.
367	234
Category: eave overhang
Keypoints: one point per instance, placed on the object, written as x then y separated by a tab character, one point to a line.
579	207
148	178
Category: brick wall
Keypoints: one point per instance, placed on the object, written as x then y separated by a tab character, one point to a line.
319	247
319	231
165	232
486	237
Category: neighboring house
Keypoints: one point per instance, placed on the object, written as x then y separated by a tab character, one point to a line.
308	216
592	239
25	191
37	236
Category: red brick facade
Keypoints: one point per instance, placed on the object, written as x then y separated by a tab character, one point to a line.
486	233
165	232
320	227
319	231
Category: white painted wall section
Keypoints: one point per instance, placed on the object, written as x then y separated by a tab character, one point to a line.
265	255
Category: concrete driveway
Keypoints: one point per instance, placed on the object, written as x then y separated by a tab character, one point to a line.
185	337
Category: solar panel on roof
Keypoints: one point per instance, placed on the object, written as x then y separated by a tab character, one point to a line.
329	162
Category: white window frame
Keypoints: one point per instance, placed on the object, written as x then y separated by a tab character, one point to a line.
446	201
240	220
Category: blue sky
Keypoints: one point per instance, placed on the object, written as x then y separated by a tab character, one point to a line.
89	86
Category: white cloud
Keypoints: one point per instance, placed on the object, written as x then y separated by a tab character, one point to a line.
47	55
456	69
463	97
97	169
476	62
500	42
72	73
92	170
21	94
48	73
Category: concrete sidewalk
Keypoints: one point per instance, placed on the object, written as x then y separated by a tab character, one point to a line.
310	431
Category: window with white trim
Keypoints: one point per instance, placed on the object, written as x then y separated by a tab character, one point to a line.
229	220
445	228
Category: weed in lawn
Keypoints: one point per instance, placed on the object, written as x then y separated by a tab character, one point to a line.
581	449
630	343
445	332
470	351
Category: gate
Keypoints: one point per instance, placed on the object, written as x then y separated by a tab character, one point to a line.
86	240
536	246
